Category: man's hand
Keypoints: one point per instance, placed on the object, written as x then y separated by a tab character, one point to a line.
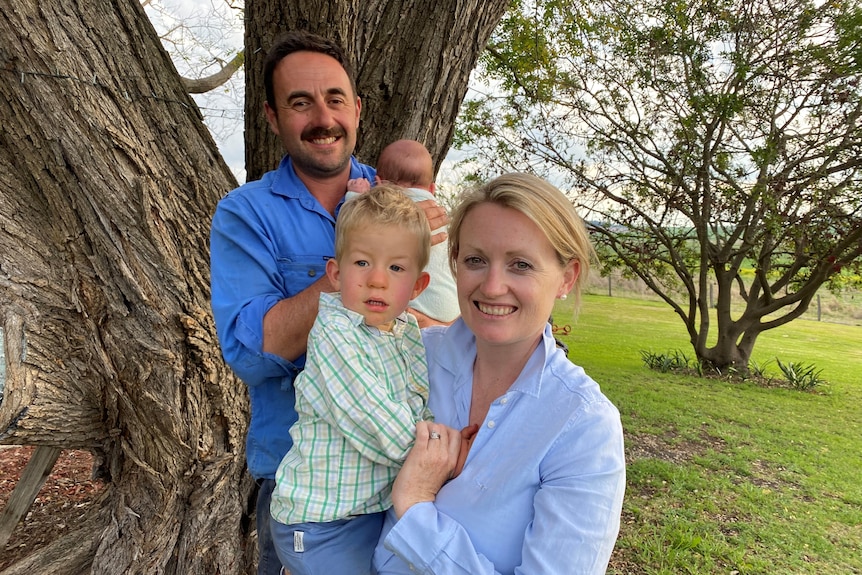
437	218
358	185
286	325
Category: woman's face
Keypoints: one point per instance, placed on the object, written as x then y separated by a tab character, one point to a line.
508	276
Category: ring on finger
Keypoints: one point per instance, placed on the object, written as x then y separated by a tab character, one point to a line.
434	435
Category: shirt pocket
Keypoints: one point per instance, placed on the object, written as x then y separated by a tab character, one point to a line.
300	271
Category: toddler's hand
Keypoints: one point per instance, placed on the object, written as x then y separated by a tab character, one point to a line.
468	434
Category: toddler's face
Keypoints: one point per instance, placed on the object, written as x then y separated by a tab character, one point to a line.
379	273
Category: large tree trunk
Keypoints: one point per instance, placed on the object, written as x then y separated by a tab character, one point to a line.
413	60
108	179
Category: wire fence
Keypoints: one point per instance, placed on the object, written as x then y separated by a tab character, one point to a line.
843	308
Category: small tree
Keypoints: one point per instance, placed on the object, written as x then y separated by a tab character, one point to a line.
711	143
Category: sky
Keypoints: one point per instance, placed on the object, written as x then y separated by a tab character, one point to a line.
199	35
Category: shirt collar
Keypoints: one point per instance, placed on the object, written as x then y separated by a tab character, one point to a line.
332	302
459	337
288	184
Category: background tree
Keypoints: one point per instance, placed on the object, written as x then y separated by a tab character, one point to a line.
712	143
200	40
108	179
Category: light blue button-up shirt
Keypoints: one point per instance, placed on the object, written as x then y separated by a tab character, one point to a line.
542	489
269	240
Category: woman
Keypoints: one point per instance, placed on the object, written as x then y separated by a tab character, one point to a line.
542	487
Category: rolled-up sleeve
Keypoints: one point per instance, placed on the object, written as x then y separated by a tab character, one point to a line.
245	285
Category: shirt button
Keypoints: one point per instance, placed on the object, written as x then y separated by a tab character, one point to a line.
311	273
412	568
504	401
491	424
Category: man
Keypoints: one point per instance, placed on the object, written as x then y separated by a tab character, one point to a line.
270	241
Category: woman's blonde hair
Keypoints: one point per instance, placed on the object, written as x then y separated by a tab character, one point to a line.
545	205
383	205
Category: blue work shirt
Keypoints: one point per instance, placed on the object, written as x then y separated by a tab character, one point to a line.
270	239
542	488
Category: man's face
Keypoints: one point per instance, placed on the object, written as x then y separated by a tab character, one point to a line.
316	114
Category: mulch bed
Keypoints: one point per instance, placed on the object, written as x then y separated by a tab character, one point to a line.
64	498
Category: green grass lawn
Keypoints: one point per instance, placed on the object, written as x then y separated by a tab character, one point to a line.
723	477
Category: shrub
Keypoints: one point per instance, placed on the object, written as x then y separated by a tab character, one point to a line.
758	372
798	376
666	362
803	377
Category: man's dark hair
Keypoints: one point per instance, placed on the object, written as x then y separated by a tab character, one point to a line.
301	41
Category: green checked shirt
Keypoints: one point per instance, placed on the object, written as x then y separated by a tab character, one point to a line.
358	399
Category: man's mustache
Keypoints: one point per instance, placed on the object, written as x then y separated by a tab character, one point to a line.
317	133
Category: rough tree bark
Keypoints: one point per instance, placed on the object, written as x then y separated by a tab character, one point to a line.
108	179
413	60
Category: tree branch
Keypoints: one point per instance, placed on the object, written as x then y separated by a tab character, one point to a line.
203	85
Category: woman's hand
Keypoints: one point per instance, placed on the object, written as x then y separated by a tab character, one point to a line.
428	466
